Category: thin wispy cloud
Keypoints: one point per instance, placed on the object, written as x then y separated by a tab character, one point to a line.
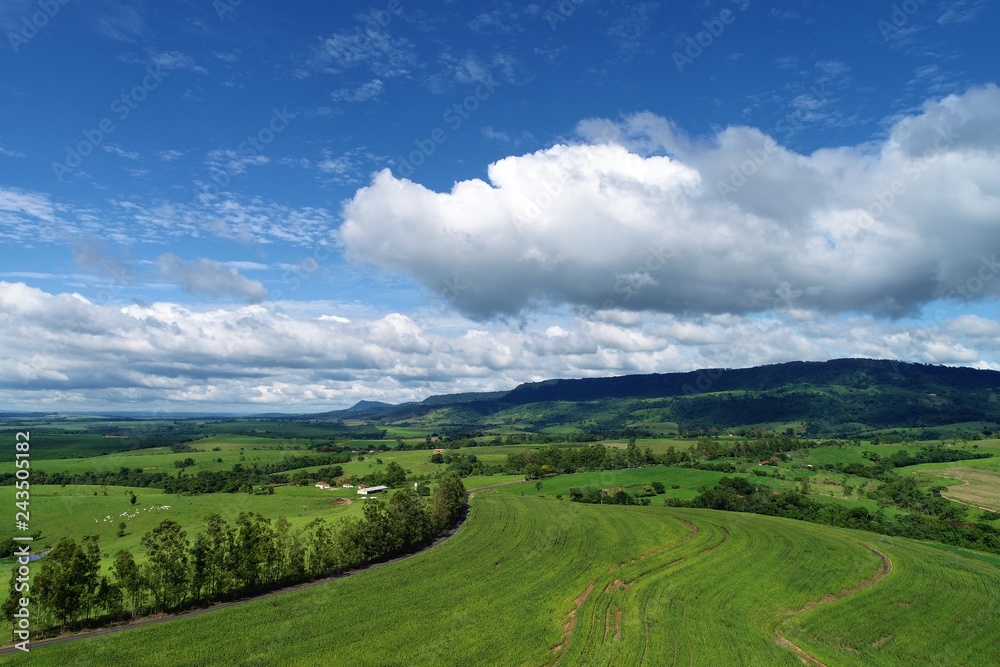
210	277
115	149
371	90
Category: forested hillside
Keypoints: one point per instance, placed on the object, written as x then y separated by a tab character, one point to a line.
841	396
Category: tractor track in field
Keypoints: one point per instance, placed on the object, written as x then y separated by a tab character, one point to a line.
965	482
619	584
570	624
155	620
806	658
472	492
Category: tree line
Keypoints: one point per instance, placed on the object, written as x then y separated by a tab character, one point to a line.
737	494
226	561
881	467
241	478
553	460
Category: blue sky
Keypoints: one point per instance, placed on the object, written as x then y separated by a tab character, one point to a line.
225	205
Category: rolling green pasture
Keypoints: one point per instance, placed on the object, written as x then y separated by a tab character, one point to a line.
533	581
418	461
159	459
832	454
74	511
232	450
230	442
689	481
247	450
821	457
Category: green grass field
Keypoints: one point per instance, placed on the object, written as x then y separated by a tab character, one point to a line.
74	511
161	459
689	481
534	581
934	608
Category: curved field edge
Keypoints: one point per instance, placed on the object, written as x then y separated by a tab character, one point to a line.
932	608
494	593
530	581
715	599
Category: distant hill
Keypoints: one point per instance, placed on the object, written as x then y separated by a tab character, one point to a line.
849	373
837	396
360	410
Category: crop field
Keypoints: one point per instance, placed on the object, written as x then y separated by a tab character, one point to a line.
933	608
975	482
62	445
570	584
657	445
978	486
472	483
676	607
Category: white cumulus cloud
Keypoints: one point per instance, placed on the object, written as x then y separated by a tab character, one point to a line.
639	216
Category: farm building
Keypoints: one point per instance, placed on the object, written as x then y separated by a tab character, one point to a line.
323	485
371	489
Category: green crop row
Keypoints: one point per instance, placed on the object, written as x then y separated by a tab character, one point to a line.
535	581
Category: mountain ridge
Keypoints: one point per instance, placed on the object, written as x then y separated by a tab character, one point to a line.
873	392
